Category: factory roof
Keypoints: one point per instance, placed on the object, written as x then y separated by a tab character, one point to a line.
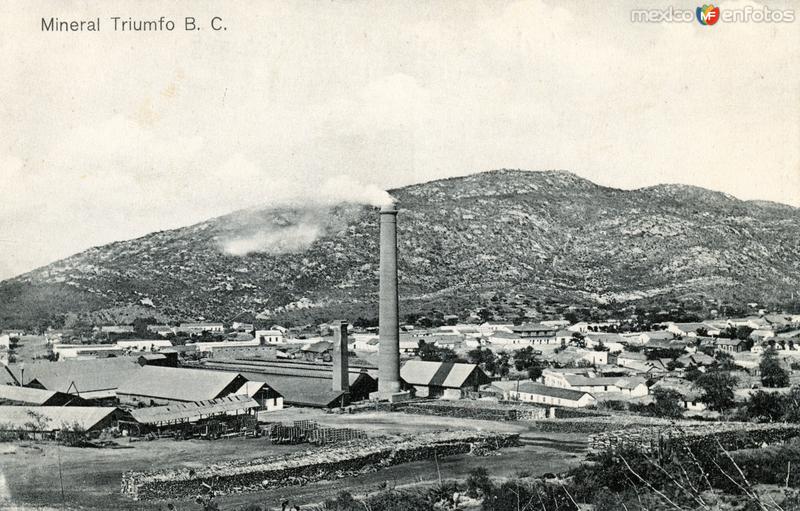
27	395
178	384
302	390
441	374
189	412
87	417
99	378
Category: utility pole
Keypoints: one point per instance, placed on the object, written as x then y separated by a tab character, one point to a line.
60	477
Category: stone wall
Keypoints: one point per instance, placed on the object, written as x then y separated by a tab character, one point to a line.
731	436
481	410
307	467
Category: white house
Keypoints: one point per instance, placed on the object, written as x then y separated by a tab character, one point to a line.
563	337
628	386
489	328
5	341
691	329
272	336
554	396
508	340
611	341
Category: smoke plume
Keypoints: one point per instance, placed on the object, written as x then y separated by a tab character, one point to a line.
293	223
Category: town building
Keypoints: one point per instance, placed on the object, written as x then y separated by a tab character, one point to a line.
730	345
199	328
531	392
536	333
144	344
162	330
272	336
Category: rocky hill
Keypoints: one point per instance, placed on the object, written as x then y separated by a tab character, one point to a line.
546	236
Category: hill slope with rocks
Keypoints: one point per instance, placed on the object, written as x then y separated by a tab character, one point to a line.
549	237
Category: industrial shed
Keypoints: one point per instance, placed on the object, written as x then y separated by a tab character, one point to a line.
302	384
268	399
89	418
153	385
90	379
194	412
14	395
449	380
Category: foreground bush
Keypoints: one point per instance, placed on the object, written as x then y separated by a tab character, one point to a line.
535	496
383	501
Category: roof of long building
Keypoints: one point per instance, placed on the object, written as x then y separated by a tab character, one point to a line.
186	412
20	417
27	395
79	376
302	390
177	384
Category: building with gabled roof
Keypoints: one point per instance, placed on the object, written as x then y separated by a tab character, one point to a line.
154	385
90	379
302	383
55	418
16	395
196	411
531	392
268	399
442	379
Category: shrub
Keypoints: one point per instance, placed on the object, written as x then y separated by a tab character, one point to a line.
765	406
516	496
667	403
384	501
772	374
478	482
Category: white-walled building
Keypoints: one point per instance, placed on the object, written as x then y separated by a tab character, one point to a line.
144	344
531	392
272	336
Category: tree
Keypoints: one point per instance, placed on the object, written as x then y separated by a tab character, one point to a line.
578	339
692	373
717	387
431	352
725	361
766	406
478	482
668	403
772	374
674	364
503	366
792	413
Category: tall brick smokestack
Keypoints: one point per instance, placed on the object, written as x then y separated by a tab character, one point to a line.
341	365
389	346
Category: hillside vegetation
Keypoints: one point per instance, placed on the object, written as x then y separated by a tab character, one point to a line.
546	236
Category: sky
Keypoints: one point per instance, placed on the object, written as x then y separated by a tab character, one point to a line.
111	135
